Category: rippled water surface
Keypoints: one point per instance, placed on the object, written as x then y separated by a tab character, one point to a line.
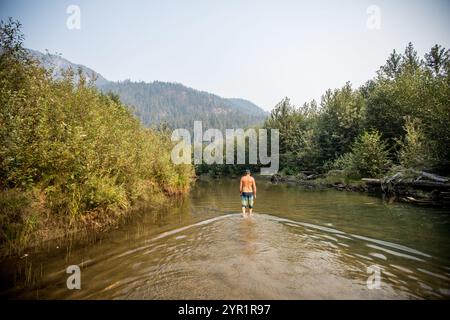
298	245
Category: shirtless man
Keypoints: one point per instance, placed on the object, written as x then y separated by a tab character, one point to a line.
247	189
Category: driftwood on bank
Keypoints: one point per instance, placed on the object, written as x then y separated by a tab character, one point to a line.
426	184
433	177
411	177
413	186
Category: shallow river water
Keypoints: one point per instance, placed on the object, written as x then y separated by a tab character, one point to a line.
299	244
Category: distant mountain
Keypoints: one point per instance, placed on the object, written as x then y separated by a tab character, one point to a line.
174	104
58	64
180	106
246	106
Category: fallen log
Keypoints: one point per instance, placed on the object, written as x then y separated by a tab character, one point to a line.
371	181
418	183
433	177
428	184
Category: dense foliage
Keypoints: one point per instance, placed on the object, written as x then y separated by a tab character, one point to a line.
400	117
72	150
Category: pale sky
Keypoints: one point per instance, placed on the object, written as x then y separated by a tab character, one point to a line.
257	50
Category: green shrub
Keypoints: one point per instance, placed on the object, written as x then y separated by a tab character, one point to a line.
368	158
415	150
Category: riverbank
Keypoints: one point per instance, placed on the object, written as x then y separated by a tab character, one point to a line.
33	228
403	185
406	185
332	180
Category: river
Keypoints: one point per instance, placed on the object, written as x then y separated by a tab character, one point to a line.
299	244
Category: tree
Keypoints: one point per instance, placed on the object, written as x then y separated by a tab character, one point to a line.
286	118
368	157
415	151
410	60
392	67
437	59
11	39
339	122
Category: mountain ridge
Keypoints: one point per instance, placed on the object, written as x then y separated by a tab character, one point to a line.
171	103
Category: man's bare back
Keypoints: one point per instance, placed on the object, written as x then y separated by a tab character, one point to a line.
247	184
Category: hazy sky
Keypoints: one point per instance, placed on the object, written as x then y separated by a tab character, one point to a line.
257	50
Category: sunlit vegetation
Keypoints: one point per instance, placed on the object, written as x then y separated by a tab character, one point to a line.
71	157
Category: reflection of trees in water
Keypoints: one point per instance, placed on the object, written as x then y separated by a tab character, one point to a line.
218	193
174	210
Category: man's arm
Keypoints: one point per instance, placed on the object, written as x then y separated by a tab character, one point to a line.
240	187
254	187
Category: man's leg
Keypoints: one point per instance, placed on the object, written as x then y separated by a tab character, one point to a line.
250	205
244	204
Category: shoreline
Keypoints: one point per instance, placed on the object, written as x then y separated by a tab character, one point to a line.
417	193
432	195
58	232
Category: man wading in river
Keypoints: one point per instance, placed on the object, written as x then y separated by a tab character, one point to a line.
247	189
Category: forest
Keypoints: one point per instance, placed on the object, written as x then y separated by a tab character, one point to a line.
398	119
177	106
